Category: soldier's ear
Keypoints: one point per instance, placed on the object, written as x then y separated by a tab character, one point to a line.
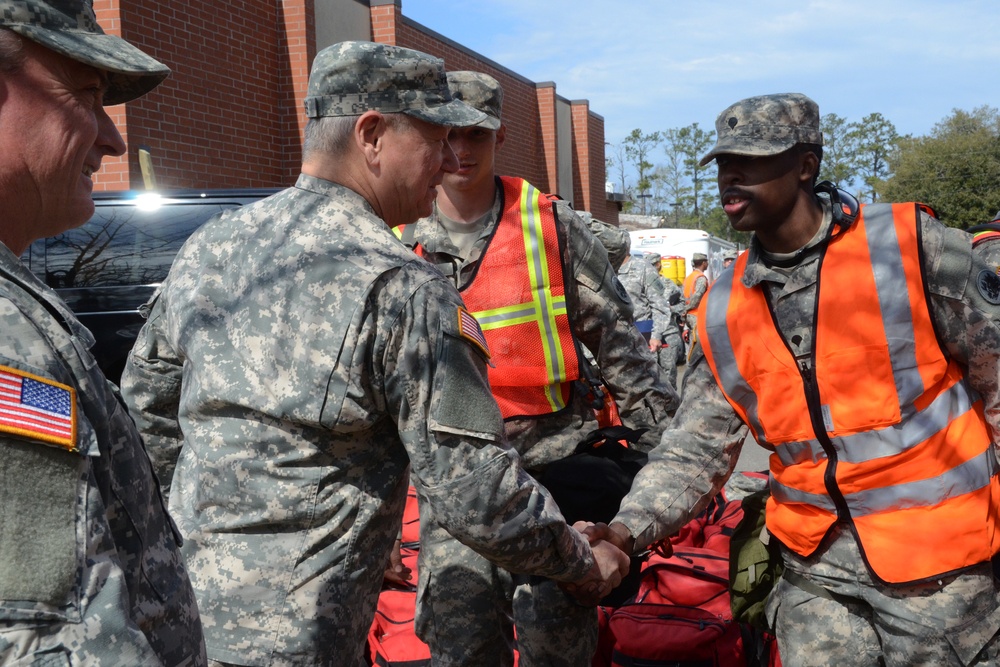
369	130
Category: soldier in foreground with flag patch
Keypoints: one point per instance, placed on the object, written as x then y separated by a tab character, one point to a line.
91	571
298	361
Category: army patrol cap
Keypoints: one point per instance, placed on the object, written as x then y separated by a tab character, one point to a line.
699	257
729	254
766	125
350	78
654	258
480	91
69	27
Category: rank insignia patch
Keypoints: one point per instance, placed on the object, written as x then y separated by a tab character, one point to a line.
989	286
37	408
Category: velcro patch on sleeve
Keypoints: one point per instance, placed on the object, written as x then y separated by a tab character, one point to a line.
469	329
37	408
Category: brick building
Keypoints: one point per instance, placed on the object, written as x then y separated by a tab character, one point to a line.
230	115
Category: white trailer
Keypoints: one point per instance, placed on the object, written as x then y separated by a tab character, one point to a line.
683	243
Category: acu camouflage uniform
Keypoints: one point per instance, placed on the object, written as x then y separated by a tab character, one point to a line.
296	360
463	598
90	565
296	363
944	624
690	311
650	296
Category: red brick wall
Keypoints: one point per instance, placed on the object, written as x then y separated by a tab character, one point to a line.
229	114
522	153
529	109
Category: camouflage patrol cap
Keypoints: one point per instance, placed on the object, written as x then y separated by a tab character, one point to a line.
653	258
480	91
699	257
350	78
69	27
766	125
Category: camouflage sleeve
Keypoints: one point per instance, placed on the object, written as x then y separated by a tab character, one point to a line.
694	459
675	297
151	387
63	593
965	303
450	425
601	316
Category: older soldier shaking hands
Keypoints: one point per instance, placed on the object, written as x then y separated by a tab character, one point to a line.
299	361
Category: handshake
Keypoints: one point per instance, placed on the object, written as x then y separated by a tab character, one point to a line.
611	547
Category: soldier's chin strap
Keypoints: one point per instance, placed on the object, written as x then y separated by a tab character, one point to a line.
844	205
844	209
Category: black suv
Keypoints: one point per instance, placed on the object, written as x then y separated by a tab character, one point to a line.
111	265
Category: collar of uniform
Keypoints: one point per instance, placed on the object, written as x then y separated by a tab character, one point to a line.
325	188
758	267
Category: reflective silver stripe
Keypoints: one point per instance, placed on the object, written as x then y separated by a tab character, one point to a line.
971	476
891	440
897	314
727	370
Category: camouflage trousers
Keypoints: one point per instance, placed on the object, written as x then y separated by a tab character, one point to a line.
467	611
951	621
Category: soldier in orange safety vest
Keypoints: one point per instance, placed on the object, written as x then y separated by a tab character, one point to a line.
859	345
540	285
695	286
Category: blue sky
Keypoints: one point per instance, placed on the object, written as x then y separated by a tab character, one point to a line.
662	64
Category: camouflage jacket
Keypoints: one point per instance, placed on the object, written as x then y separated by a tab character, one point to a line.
601	319
645	290
296	360
699	451
90	564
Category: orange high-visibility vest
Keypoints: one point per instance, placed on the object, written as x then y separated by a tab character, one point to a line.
690	282
881	430
518	297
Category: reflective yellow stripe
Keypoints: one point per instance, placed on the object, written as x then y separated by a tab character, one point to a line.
519	313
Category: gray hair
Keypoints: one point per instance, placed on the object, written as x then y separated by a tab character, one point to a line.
331	135
12	53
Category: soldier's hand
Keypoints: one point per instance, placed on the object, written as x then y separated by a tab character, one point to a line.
610	566
616	533
654	344
396	572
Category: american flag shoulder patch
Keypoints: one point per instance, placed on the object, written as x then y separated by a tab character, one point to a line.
469	329
37	408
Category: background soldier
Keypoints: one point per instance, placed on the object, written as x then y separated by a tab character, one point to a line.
476	237
298	360
90	570
671	350
695	286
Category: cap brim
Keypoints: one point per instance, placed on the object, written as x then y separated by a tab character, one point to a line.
763	149
453	114
131	73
